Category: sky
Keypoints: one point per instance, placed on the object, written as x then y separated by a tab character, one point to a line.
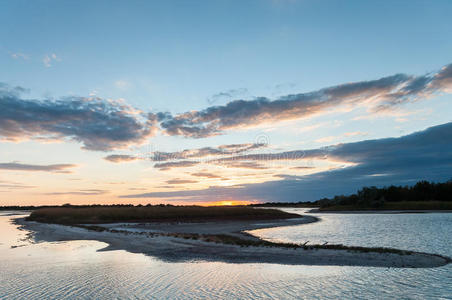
221	102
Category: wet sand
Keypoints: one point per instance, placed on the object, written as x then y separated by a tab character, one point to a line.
145	238
233	228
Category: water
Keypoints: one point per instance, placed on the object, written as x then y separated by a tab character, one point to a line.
68	270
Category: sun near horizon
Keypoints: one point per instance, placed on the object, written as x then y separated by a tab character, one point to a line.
184	106
228	203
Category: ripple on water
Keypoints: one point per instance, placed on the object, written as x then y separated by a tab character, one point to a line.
76	270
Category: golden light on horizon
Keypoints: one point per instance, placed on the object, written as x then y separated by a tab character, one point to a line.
228	203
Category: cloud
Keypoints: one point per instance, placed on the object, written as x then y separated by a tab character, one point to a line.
90	192
424	155
238	148
178	159
286	176
103	125
443	79
376	95
118	158
303	168
97	123
241	164
14	185
176	164
279	156
205	174
205	152
49	59
122	84
185	154
227	95
180	181
202	194
57	168
19	55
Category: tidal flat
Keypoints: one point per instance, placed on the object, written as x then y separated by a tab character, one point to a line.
225	240
80	269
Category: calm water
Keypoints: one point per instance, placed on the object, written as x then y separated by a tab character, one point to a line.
69	270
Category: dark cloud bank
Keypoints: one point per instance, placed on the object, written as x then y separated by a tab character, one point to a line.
102	125
97	123
425	155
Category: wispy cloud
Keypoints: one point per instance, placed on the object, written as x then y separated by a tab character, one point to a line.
122	84
375	95
11	185
118	158
89	192
179	158
205	174
180	181
19	55
443	79
241	164
57	168
303	168
50	59
206	151
175	164
227	95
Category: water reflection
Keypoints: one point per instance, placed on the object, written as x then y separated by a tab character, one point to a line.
77	270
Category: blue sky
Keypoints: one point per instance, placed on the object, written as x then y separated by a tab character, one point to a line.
182	56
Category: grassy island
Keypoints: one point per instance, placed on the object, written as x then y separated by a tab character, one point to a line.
192	233
153	213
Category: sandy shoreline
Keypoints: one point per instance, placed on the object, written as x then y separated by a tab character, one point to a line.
141	238
233	228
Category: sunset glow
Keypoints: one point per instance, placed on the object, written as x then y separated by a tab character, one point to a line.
200	111
228	203
225	149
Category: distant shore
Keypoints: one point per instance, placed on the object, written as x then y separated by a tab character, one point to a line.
402	206
226	241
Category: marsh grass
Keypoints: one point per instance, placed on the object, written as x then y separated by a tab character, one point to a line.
108	214
234	240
